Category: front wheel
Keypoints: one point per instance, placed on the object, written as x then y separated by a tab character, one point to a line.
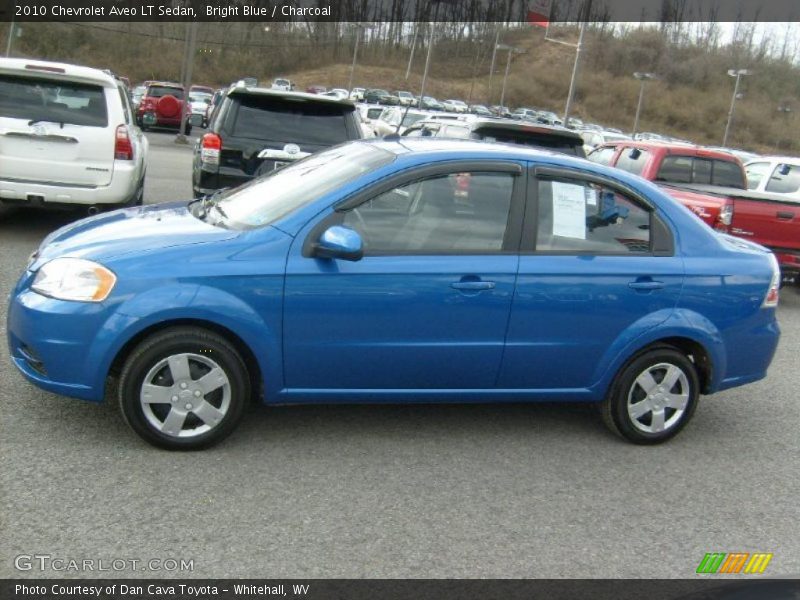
184	388
653	396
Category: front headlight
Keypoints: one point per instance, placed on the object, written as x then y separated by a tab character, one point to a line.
74	279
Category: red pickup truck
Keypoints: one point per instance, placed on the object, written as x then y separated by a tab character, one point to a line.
713	185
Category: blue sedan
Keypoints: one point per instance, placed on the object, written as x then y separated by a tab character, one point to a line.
418	270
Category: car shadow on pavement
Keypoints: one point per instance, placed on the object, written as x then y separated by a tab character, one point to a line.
30	221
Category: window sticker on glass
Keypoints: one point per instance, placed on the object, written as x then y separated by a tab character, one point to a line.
569	210
591	196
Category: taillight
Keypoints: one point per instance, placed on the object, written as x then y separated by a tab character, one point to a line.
123	149
726	214
210	146
771	299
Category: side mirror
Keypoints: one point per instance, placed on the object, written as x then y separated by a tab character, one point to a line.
339	242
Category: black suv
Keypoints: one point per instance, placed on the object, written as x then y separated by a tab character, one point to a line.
507	131
256	130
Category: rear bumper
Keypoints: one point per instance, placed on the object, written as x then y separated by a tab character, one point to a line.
789	261
122	187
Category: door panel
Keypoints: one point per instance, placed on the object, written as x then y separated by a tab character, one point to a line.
601	273
428	305
396	322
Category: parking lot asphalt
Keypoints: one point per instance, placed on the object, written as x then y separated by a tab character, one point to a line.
395	491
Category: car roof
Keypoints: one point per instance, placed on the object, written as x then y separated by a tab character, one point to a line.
56	70
478	122
791	160
259	91
688	149
433	148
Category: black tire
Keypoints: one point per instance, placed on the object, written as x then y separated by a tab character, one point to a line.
138	196
204	352
661	405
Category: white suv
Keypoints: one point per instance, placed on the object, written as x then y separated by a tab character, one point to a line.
67	137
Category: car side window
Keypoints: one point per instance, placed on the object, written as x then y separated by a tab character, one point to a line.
584	217
602	156
632	160
126	107
755	173
453	213
785	179
675	169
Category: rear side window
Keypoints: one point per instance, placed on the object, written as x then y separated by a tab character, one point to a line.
53	101
690	169
580	217
633	160
158	91
784	184
728	174
277	120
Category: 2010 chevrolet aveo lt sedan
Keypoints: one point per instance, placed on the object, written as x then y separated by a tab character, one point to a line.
399	271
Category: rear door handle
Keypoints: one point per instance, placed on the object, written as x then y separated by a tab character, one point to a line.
472	285
646	285
785	215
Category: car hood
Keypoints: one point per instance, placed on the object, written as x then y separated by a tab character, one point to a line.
141	229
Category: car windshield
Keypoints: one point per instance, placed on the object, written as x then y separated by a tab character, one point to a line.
36	99
266	199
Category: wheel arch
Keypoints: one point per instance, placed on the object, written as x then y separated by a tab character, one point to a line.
253	368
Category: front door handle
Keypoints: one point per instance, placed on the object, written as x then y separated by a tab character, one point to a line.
646	285
473	286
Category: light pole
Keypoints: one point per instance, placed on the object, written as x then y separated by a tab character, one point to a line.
430	48
413	47
784	110
11	32
574	78
359	27
511	50
738	74
491	68
187	82
642	77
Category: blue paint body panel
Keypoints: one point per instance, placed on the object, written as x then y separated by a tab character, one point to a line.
393	328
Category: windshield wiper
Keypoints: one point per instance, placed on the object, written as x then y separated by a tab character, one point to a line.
207	201
33	122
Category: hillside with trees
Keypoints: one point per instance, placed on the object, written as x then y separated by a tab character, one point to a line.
690	99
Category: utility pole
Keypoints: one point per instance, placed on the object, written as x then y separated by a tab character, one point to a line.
738	74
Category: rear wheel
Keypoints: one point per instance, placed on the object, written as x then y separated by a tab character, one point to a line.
184	388
653	396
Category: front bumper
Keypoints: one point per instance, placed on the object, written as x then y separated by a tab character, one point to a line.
55	344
